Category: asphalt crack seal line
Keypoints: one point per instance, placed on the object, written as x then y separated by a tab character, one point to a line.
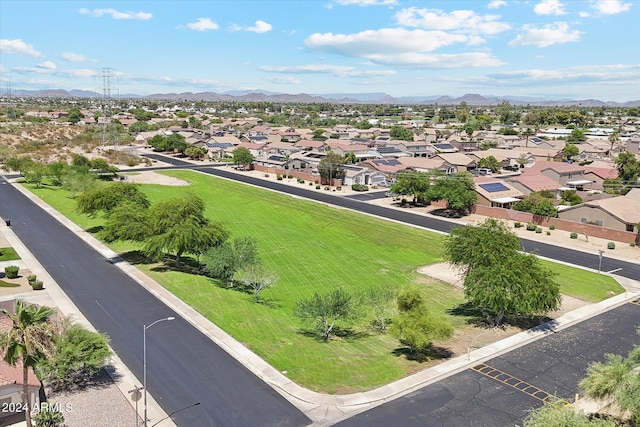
512	381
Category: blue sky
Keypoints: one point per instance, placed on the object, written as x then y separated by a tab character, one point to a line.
551	49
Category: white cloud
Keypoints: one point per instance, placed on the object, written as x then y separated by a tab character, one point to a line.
283	80
260	27
465	21
337	70
549	7
203	24
47	66
611	7
383	41
573	75
495	4
115	14
17	46
551	34
366	2
73	57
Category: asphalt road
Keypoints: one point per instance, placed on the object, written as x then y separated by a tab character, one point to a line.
184	367
503	396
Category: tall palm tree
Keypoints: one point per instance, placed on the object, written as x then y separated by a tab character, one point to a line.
29	340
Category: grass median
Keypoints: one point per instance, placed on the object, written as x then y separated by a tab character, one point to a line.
310	247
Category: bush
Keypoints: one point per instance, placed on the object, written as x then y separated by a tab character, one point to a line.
552	227
359	187
611	245
326	189
538	230
317	187
632	244
531	226
573	235
339	188
266	175
32	278
311	183
279	177
548	233
517	224
289	176
11	271
36	285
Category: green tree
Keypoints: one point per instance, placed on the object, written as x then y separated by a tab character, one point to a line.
319	134
128	221
224	260
537	204
322	311
557	413
415	326
80	160
528	132
242	156
107	197
79	354
350	158
412	183
570	150
255	277
194	152
179	226
617	380
571	197
48	416
499	280
379	298
78	179
490	162
576	136
331	167
403	134
57	171
30	340
35	173
457	189
75	116
628	168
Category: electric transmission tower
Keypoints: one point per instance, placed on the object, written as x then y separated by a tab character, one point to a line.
10	112
108	129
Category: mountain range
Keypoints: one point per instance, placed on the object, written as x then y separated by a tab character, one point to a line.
343	98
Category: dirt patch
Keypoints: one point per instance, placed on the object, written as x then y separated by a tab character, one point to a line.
21	282
150	177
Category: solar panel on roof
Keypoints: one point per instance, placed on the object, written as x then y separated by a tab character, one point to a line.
494	187
393	162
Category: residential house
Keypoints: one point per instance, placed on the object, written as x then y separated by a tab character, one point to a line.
529	183
255	149
618	213
414	148
310	144
462	162
496	192
633	144
423	164
390	167
598	175
363	175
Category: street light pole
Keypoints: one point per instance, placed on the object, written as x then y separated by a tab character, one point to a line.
600	252
144	363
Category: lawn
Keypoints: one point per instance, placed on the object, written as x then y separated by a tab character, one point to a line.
584	284
8	254
310	247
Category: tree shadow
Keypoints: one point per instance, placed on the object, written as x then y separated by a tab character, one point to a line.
476	318
105	377
431	352
473	315
337	333
136	257
447	213
95	229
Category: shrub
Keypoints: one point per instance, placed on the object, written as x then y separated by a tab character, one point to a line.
32	278
359	187
538	230
266	175
531	226
632	244
317	187
574	235
339	188
552	227
326	188
517	224
279	177
289	176
11	271
36	285
611	245
311	183
548	233
316	182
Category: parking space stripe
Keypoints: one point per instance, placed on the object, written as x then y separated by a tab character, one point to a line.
512	381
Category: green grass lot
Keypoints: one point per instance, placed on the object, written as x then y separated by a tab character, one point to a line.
8	254
310	247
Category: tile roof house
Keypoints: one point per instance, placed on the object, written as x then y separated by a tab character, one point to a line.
461	161
617	213
390	167
424	164
496	192
531	183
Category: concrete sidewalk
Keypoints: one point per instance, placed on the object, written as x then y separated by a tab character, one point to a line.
326	409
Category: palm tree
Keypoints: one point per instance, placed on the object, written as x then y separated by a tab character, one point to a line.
29	340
